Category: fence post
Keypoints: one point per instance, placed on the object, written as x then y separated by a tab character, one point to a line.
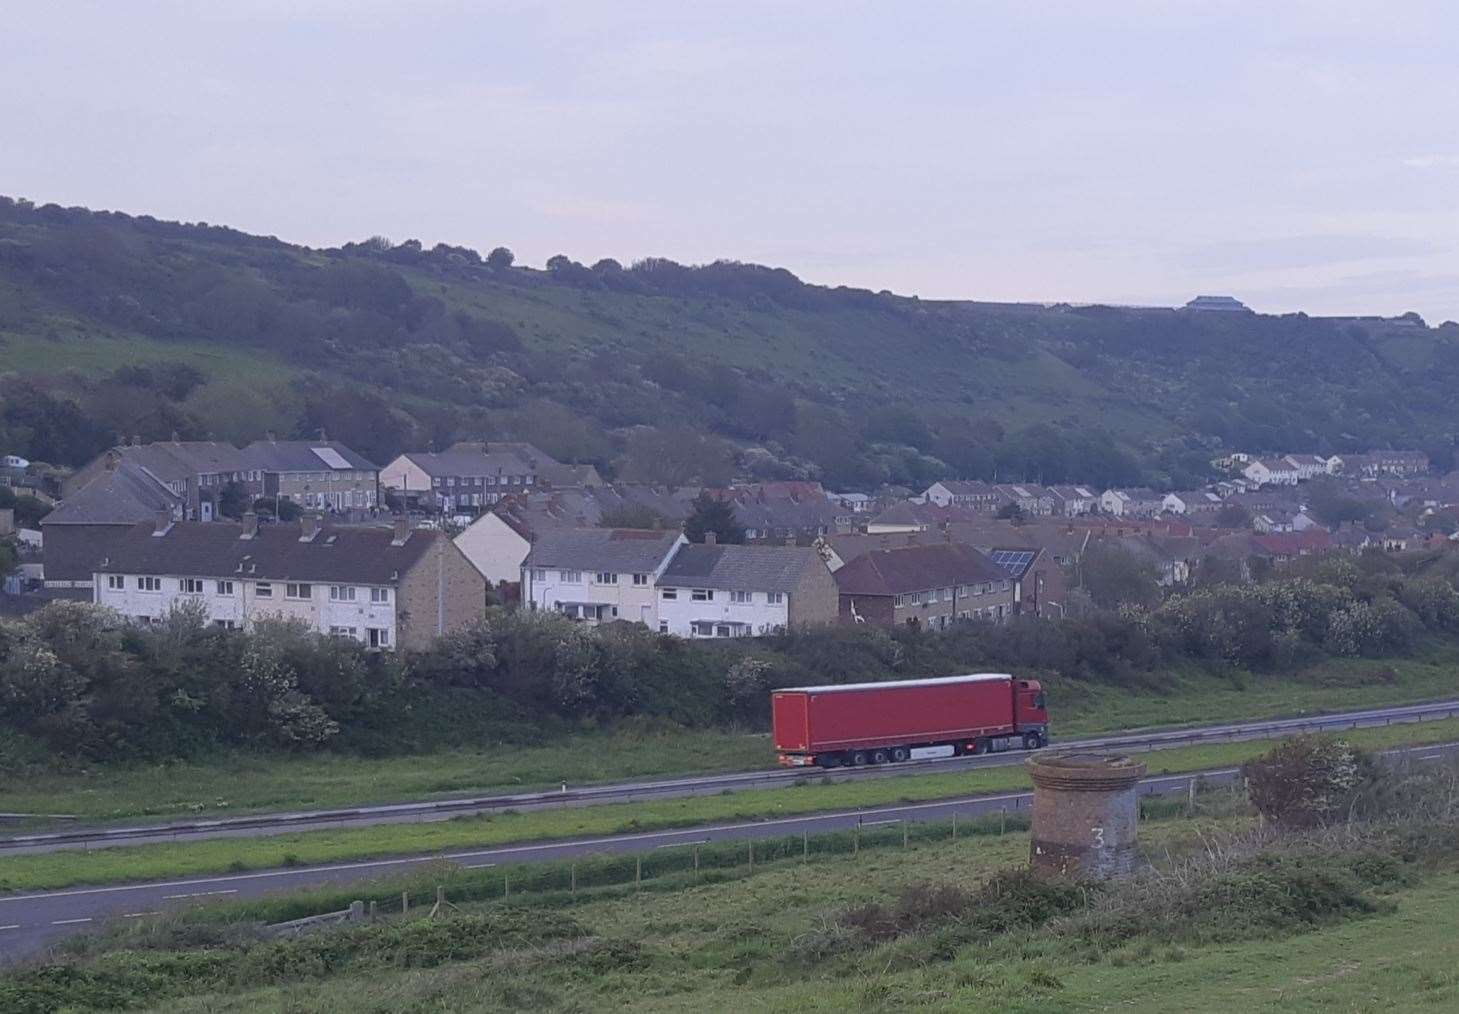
506	885
357	910
954	827
752	855
1002	820
372	910
1191	794
572	883
637	872
404	902
805	846
856	840
906	829
696	864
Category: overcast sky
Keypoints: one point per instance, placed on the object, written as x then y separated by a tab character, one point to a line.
1296	155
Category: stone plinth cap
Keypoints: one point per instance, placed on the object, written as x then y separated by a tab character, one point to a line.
1085	772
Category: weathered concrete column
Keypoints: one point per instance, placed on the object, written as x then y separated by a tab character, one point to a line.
1085	814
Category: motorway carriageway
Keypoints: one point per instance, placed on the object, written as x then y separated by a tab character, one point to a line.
31	922
263	824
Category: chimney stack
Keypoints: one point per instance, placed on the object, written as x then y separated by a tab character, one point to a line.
402	531
250	525
162	521
710	538
308	527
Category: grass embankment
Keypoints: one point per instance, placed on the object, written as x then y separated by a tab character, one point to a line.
1354	928
242	783
169	861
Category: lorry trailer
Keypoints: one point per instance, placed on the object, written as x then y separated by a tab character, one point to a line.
881	723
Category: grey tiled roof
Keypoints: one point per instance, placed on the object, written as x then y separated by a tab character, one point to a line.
498	458
621	550
740	568
175	461
215	549
126	495
299	456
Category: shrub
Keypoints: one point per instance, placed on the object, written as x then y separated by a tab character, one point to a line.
1308	780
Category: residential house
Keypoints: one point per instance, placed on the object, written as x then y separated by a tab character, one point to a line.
979	496
1191	502
78	533
1217	304
1271	472
715	590
787	520
469	477
1308	466
929	586
598	574
1040	587
1138	501
1073	501
1031	500
314	474
387	587
1382	463
195	471
921	517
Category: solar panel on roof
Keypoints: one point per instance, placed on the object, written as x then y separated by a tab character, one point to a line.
330	457
1013	560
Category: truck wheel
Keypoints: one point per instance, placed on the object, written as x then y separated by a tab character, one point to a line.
878	756
900	754
1032	741
858	759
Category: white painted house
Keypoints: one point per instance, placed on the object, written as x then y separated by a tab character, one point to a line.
744	591
1271	472
496	547
598	574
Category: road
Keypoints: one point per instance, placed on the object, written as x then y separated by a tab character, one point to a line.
257	825
31	922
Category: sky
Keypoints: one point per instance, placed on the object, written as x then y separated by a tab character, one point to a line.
1299	156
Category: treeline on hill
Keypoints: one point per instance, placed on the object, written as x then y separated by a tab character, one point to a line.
80	681
732	367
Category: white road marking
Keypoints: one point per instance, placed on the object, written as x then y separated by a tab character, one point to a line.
138	915
681	844
12	926
479	866
69	922
198	894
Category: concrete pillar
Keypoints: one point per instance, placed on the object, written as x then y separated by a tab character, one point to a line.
1085	815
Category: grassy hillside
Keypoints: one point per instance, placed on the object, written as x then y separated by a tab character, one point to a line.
645	368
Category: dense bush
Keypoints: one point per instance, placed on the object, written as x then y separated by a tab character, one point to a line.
1309	780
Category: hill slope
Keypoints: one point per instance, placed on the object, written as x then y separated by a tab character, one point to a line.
113	324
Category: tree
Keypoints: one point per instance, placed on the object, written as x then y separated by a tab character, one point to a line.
1010	511
233	500
500	259
288	510
1232	515
1115	577
677	458
711	514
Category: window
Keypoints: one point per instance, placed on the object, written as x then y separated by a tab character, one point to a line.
298	590
670	594
190	586
605	577
225	588
263	590
341	593
775	598
538	574
342	631
663	626
702	595
378	637
900	601
741	597
149	584
640	579
380	596
225	624
116	582
572	577
722	630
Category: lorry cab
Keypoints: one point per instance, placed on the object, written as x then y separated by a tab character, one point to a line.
1031	712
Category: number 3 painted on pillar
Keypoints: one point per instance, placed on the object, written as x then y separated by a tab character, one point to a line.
1098	837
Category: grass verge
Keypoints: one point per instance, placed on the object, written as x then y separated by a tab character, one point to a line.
166	861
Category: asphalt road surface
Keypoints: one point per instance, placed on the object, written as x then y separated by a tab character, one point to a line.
257	825
29	923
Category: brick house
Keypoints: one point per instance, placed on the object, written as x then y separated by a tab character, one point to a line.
927	586
388	587
472	475
195	471
315	474
736	591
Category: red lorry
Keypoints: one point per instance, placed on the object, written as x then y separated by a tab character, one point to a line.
880	723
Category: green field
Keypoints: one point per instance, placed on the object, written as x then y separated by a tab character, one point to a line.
54	870
738	939
242	782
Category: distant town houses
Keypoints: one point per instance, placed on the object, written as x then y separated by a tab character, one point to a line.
1139	501
1374	464
196	472
472	475
598	574
929	587
973	494
386	587
313	474
1272	472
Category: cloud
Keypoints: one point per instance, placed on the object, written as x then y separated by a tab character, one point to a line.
1432	162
